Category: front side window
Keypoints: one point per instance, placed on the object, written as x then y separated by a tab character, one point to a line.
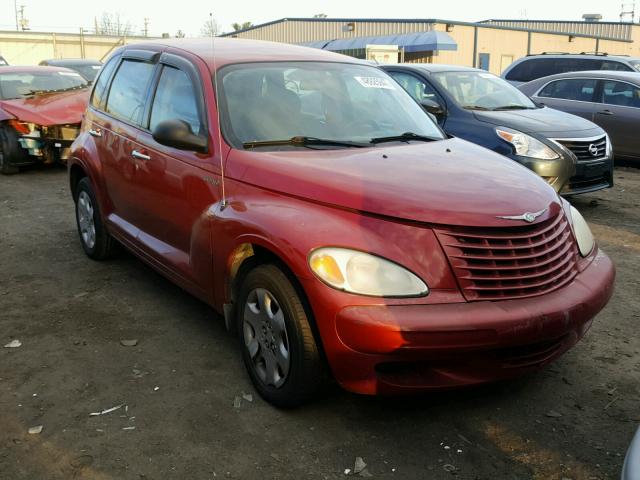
482	91
24	84
415	87
620	93
128	91
579	89
175	99
337	101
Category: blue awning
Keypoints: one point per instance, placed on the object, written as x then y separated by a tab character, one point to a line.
410	42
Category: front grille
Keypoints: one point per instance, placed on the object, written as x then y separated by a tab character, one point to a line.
582	149
511	262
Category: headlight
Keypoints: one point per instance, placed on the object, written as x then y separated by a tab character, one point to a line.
365	274
525	145
582	232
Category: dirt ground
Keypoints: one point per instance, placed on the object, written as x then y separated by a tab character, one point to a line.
572	420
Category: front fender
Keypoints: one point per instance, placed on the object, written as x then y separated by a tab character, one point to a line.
291	228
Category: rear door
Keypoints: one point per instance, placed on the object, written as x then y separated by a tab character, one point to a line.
618	113
572	95
119	127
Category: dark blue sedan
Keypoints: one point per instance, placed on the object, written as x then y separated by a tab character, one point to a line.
572	154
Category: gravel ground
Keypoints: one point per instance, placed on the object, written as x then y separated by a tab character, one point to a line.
182	385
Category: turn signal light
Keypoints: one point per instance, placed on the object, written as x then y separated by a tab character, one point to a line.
20	127
327	268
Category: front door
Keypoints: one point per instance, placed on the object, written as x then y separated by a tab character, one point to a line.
618	113
177	188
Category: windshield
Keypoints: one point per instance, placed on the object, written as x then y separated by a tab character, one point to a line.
90	72
635	64
264	102
23	84
482	91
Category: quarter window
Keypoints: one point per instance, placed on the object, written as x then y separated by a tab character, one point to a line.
128	92
620	93
98	97
175	99
580	89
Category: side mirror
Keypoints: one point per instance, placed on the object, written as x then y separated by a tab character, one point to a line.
178	134
433	107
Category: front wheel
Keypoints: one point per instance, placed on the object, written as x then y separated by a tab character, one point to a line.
6	151
94	237
278	346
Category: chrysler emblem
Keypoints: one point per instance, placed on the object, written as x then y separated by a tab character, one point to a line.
593	150
528	217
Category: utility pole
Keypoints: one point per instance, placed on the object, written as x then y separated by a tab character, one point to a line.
146	27
24	23
628	10
15	7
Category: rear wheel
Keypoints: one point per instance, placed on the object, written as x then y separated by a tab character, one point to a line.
95	240
6	149
278	346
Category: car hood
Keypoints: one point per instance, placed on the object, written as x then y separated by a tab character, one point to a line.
450	182
545	121
50	108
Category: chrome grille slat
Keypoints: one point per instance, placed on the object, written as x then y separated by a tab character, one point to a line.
511	262
581	148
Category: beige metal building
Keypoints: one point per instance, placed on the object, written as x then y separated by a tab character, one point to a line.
29	48
492	45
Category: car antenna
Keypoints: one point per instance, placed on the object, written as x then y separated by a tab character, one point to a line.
223	203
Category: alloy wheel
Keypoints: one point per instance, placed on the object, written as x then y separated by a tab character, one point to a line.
86	222
265	337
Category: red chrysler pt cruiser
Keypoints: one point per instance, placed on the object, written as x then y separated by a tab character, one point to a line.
309	198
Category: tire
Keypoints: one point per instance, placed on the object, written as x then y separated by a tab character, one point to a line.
6	151
271	320
94	237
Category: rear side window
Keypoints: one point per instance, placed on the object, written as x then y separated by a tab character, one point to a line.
98	96
620	93
619	66
580	89
128	92
175	99
531	69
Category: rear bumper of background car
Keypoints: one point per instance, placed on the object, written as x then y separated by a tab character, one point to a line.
396	348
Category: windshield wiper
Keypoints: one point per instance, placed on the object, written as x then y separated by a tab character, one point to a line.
44	91
302	141
512	107
475	107
404	137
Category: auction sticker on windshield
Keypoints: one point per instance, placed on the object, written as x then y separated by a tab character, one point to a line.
375	82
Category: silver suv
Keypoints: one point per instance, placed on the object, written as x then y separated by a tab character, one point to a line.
533	67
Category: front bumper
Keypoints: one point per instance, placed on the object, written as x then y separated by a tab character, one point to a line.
395	348
590	176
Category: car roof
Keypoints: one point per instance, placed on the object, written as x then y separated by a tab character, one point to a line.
620	58
633	77
435	67
71	61
240	50
33	69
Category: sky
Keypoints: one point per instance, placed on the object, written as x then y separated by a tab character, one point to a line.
190	15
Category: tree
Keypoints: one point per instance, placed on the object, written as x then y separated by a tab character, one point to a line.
210	28
180	34
241	26
112	24
320	15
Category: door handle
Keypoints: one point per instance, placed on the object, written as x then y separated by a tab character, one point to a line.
140	155
605	112
95	133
